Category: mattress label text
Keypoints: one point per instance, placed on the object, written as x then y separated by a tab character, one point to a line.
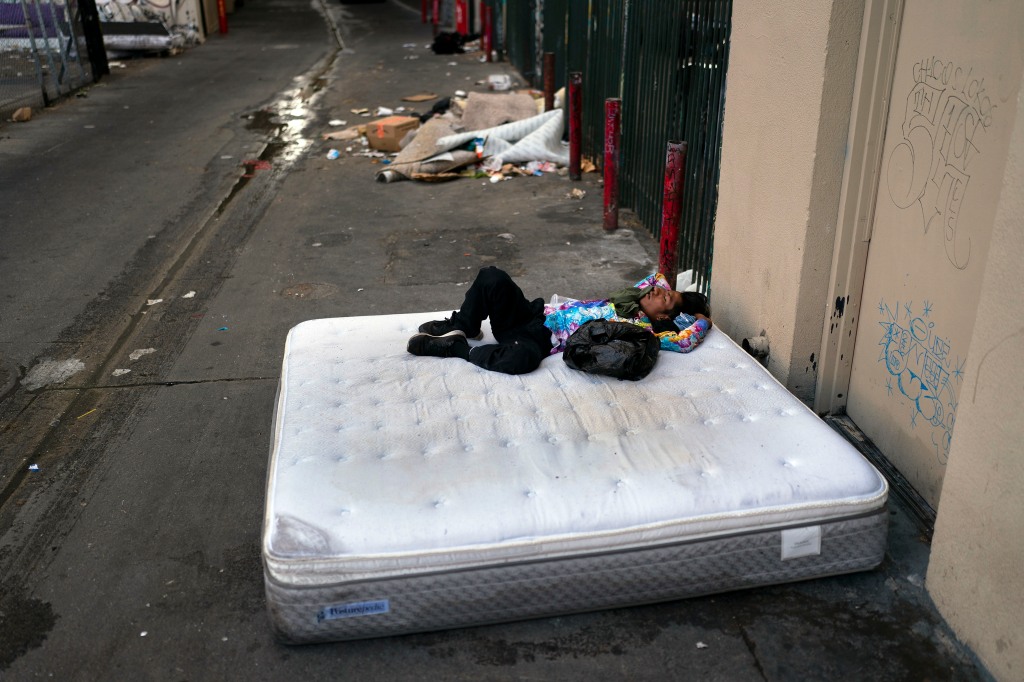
363	608
798	542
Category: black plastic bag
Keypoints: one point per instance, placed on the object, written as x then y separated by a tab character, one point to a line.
616	349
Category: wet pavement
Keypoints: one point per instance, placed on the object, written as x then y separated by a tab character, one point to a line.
203	184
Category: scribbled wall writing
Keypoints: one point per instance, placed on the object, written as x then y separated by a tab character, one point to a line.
948	111
921	369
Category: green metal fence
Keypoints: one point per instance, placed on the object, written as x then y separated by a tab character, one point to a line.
667	60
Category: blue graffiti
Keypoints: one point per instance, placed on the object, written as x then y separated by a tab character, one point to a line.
925	374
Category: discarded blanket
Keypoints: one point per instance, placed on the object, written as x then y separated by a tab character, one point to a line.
438	150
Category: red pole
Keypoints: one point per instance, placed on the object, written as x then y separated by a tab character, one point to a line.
461	17
437	13
549	81
575	123
222	17
423	11
612	135
671	210
485	38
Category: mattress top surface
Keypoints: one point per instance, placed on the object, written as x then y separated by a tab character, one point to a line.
394	460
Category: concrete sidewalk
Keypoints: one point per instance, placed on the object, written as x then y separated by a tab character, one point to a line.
154	571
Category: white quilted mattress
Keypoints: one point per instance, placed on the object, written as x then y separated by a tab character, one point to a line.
384	464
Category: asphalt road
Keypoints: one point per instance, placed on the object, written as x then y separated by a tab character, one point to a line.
135	236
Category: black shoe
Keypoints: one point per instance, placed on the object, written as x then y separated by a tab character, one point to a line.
446	326
450	345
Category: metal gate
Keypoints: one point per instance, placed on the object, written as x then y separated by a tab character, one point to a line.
43	52
667	61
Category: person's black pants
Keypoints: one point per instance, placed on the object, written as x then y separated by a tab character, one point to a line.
517	324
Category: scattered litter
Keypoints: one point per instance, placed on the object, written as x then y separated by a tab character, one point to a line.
361	112
702	645
256	164
139	352
359	289
587	166
143	633
346	134
226	156
501	81
496	178
420	97
86	414
333	154
190	294
223	329
22	115
448	42
409	46
316	244
541	167
576	193
507	235
33	467
337	122
461	93
453	63
154	301
121	372
411	56
384	111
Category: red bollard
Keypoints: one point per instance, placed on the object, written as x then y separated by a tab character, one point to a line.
575	123
549	81
612	135
423	11
485	38
436	15
222	16
671	210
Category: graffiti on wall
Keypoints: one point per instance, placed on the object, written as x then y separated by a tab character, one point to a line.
948	111
922	370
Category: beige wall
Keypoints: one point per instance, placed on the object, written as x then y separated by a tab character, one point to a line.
976	571
790	88
791	73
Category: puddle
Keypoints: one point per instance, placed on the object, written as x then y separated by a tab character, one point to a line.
286	125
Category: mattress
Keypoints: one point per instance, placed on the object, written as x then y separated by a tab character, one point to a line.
413	493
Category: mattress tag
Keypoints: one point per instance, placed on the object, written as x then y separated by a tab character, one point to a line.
798	542
363	608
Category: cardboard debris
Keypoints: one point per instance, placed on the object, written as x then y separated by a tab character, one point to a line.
350	133
21	115
386	134
421	97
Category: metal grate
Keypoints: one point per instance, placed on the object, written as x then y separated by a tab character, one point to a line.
43	53
667	61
